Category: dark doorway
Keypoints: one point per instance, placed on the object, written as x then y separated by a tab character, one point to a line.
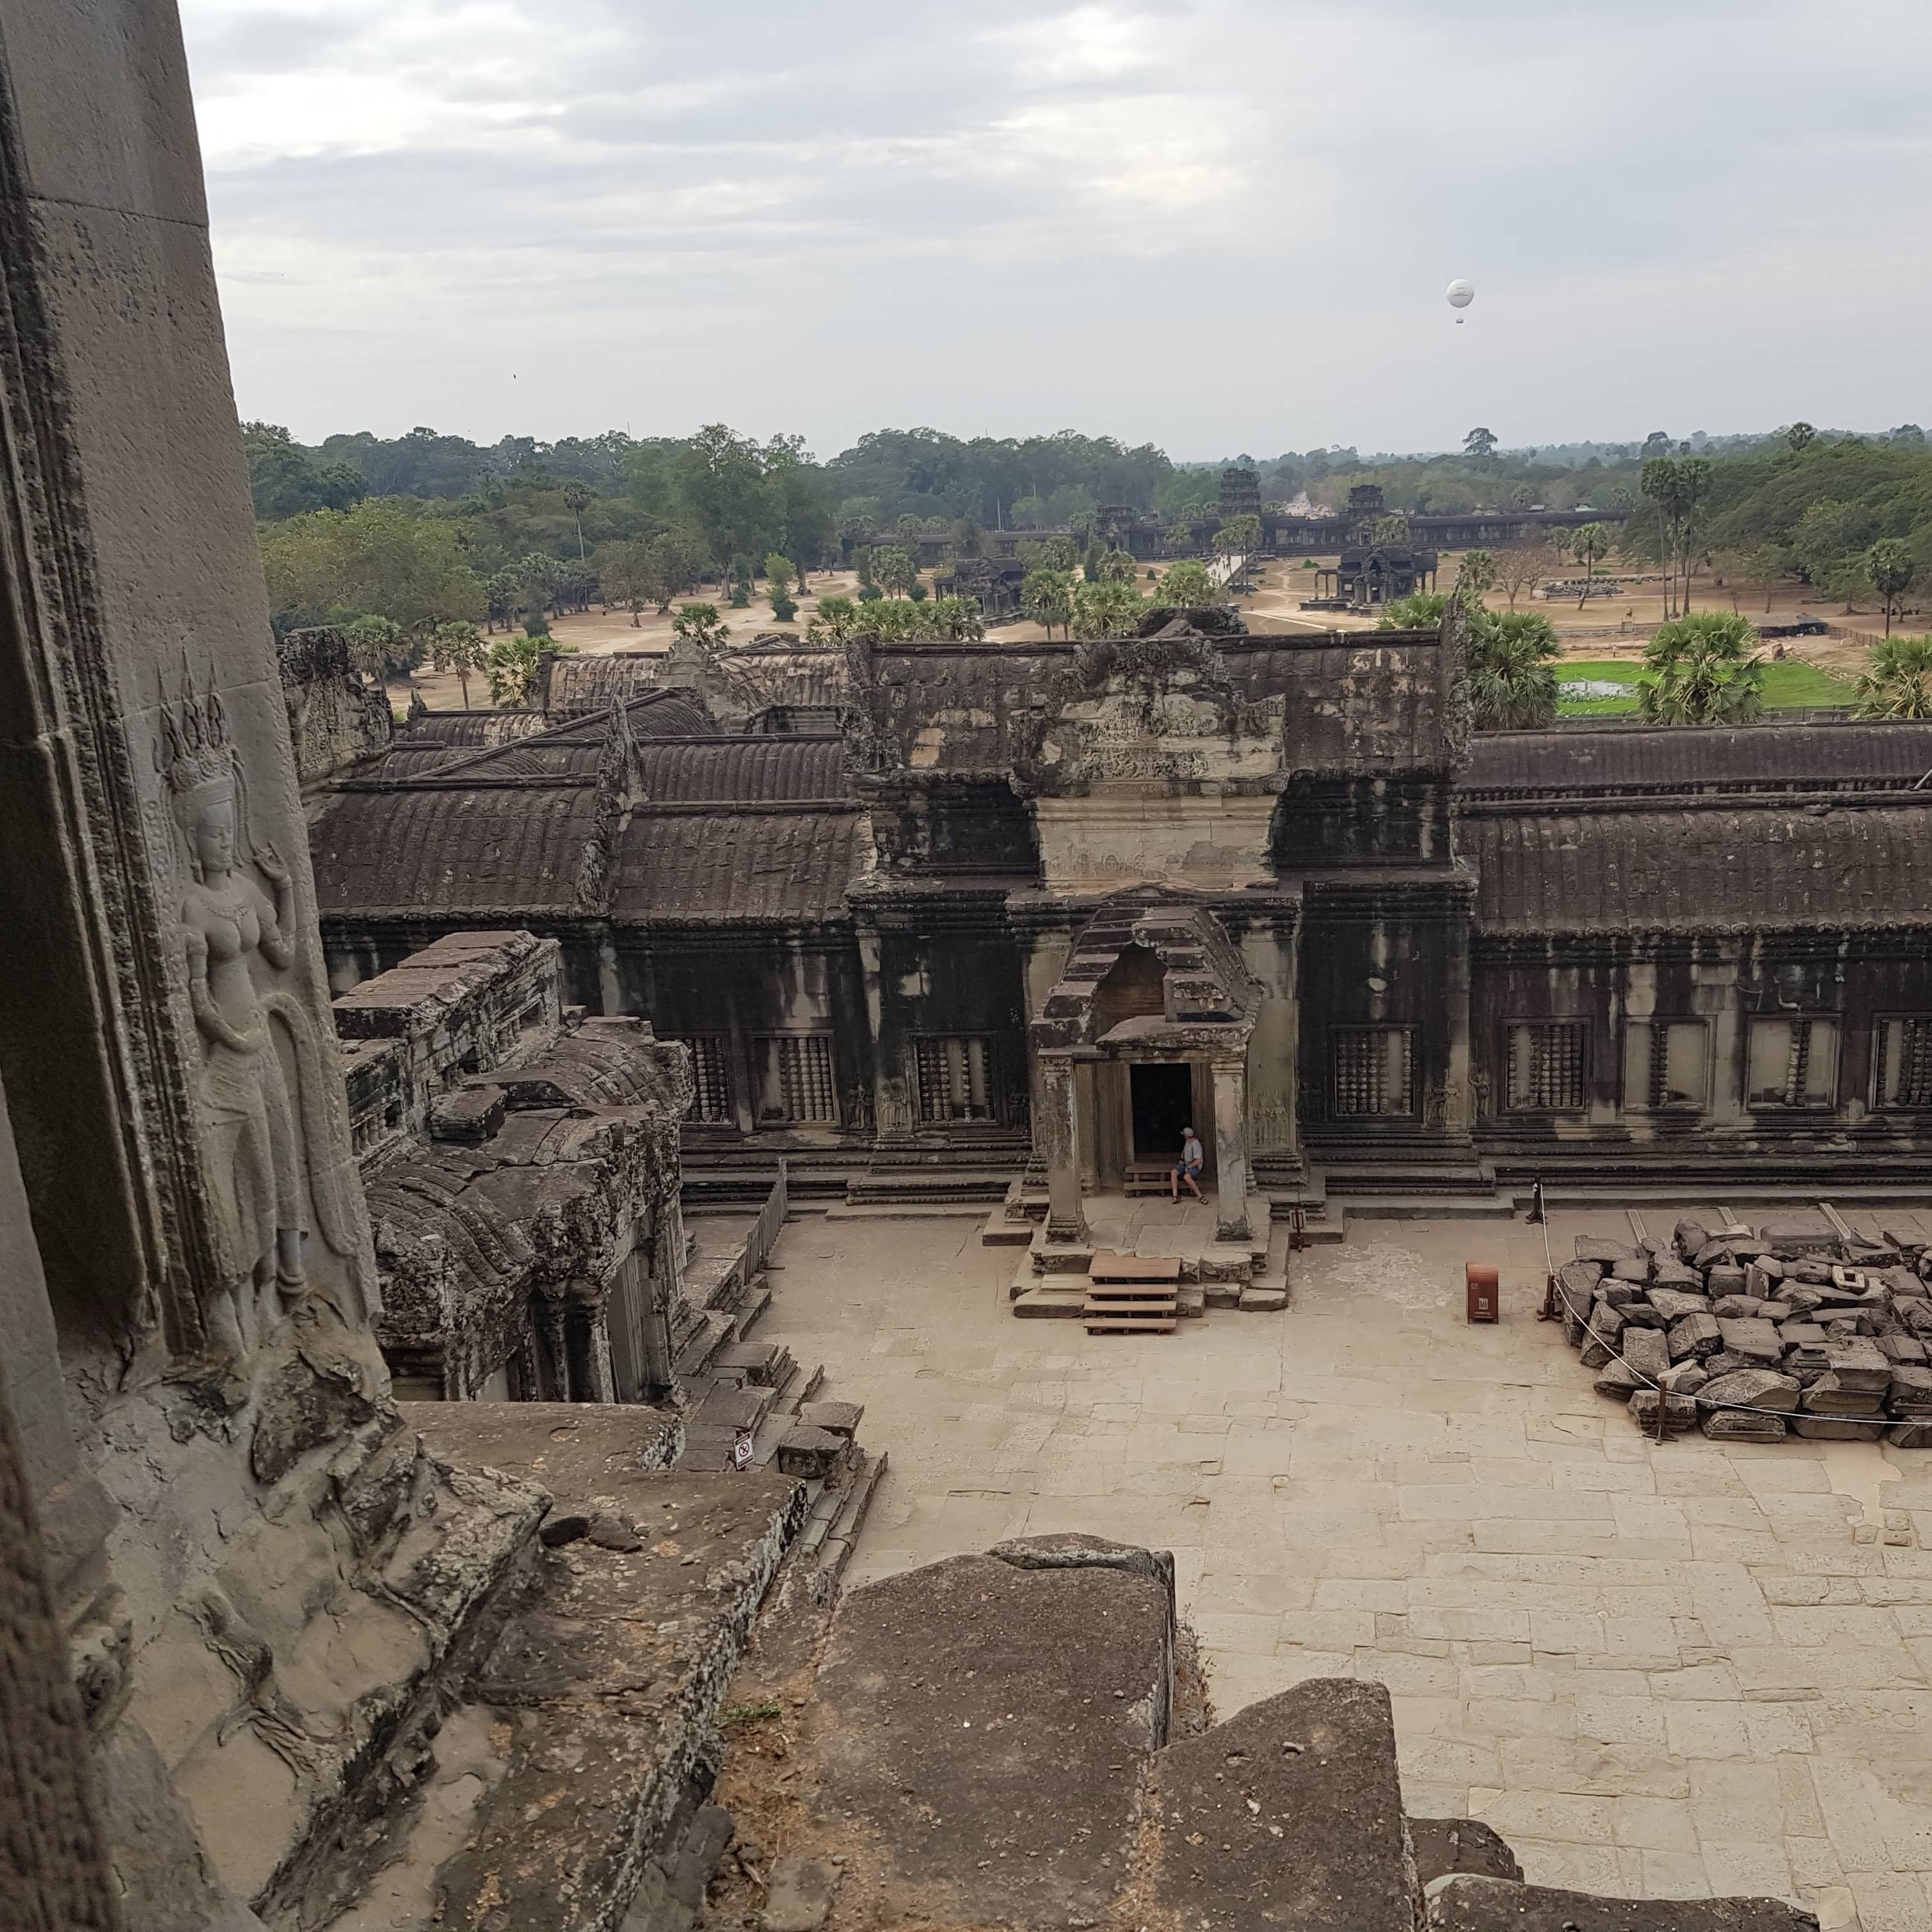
1163	1106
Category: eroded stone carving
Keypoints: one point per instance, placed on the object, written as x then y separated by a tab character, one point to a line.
260	1103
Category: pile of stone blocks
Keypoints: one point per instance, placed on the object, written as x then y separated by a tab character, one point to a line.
1800	1326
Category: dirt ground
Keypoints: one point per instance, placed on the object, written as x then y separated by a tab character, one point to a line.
1610	629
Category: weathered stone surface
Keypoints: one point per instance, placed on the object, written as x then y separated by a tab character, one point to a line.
1595	1248
1726	1278
1469	1904
1739	1425
1685	1378
1752	1388
811	1454
1441	1846
1858	1365
1649	1408
1301	1790
1694	1336
1616	1380
840	1418
1645	1350
1755	1341
1634	1268
927	1739
1674	1274
799	1896
1673	1304
1828	1395
1745	1308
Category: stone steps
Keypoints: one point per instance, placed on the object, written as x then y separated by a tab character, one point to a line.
963	1210
1493	1206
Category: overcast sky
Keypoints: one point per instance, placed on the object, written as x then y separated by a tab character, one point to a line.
1221	225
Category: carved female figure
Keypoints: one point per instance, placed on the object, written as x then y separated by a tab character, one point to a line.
230	928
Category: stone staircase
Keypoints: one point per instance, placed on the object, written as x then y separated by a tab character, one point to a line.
1054	1278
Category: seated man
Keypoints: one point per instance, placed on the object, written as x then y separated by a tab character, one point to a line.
1188	1167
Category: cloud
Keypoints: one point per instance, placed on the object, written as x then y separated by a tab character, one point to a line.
1217	223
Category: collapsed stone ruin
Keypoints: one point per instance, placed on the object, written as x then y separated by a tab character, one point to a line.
1801	1325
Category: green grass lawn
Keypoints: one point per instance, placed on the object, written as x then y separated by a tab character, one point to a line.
1787	686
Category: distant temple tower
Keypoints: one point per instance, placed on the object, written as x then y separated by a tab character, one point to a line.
1240	493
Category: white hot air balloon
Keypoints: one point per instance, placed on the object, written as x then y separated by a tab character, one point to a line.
1460	294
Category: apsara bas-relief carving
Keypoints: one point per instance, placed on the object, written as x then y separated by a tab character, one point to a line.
267	1133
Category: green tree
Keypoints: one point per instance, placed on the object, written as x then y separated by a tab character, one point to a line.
458	646
285	479
1481	444
1588	543
724	480
1800	436
629	574
741	583
379	647
836	619
700	624
1187	585
1110	608
1889	568
1513	670
1679	489
1047	553
676	559
780	574
577	497
1897	681
1046	596
1117	567
1702	669
1390	533
379	557
894	569
512	667
1475	574
1421	611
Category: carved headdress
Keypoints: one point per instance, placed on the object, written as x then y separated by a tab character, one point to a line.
197	764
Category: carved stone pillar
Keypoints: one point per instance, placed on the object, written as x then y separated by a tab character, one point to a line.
1059	1142
603	1380
1230	1151
556	1350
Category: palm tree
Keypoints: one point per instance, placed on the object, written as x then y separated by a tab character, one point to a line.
1513	669
1420	610
1890	567
1702	669
1897	680
577	499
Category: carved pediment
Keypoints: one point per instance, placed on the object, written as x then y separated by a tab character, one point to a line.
1158	712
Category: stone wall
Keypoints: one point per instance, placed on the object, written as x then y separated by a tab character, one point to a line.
336	715
466	1003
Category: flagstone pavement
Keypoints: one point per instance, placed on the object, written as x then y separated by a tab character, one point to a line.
1672	1670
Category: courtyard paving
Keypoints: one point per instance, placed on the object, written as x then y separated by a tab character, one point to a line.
1669	1670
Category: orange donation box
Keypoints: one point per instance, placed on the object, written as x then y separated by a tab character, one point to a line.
1485	1298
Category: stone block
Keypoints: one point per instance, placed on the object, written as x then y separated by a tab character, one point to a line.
1837	1429
1755	1340
1257	1301
1738	1425
1696	1336
1685	1378
1674	1304
1595	1248
1690	1235
1617	1381
1675	1274
837	1418
1644	1349
1676	1413
1642	1315
1636	1268
1745	1308
1290	1812
1580	1278
1858	1365
799	1894
812	1454
1902	1350
1725	1278
1752	1388
1828	1395
1911	1389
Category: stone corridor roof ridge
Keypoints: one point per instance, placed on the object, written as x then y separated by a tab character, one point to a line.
1834	754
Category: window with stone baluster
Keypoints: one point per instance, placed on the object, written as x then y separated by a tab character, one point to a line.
1372	1072
1546	1062
954	1076
795	1080
1905	1062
